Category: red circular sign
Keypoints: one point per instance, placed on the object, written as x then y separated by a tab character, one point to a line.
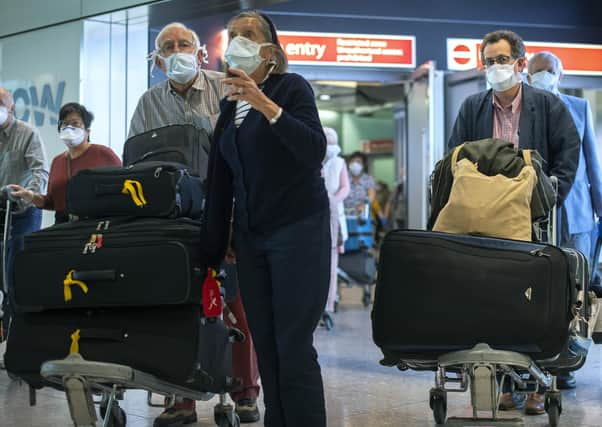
463	54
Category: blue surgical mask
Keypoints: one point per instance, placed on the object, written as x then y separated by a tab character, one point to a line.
3	115
545	80
180	67
243	54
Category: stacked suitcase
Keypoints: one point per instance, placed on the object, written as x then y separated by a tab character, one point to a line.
123	284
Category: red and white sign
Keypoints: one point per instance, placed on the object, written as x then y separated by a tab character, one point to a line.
583	59
357	50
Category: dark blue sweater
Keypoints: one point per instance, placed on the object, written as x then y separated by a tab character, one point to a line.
272	171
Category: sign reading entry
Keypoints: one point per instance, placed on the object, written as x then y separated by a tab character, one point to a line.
577	58
358	50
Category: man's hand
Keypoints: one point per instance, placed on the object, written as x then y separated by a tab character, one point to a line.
21	193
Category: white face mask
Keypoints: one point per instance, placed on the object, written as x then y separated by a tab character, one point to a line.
72	136
355	168
545	80
332	150
243	54
181	67
501	77
3	115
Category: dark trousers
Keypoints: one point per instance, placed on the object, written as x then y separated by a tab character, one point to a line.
283	278
23	223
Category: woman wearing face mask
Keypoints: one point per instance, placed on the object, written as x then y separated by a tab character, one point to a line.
362	184
74	131
267	155
337	185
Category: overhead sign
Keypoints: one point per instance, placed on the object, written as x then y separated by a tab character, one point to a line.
583	59
357	50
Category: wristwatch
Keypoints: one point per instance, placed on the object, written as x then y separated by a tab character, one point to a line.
274	119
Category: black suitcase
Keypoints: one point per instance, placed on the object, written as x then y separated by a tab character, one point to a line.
185	144
172	343
439	292
122	261
359	266
153	189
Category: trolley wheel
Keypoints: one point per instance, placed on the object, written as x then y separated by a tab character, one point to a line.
327	321
367	297
225	416
438	403
117	417
553	405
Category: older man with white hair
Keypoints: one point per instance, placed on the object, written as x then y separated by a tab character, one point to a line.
584	200
191	95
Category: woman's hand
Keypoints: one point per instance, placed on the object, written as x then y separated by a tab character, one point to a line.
21	193
244	88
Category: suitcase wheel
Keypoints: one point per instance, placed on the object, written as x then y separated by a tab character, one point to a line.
225	416
553	406
438	403
117	417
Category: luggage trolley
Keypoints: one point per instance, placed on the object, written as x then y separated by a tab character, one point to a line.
478	368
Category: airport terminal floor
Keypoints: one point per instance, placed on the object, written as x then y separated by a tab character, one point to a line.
360	392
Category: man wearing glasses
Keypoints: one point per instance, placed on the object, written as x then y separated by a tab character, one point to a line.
527	117
191	95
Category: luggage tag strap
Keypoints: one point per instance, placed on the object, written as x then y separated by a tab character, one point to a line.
74	349
68	282
211	296
134	189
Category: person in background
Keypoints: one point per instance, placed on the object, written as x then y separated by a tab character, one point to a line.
396	210
191	95
362	187
337	186
22	161
267	157
584	200
527	117
74	130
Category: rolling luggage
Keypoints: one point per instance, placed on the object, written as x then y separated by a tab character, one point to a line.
153	189
439	292
185	144
360	234
171	343
359	265
110	263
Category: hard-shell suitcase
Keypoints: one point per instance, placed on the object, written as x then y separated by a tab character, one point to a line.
173	343
110	262
439	292
359	234
153	189
185	144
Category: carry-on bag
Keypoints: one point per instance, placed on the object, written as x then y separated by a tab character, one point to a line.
110	262
360	232
359	265
154	189
185	144
439	292
162	341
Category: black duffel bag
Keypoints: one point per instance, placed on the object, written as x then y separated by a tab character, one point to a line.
153	189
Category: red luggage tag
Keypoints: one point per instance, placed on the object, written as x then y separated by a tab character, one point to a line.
212	299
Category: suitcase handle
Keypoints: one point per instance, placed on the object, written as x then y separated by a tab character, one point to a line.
149	154
95	275
102	334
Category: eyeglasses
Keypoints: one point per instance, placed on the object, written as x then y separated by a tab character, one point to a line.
500	59
169	46
72	123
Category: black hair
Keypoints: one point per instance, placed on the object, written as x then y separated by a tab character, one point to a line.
361	155
80	110
516	42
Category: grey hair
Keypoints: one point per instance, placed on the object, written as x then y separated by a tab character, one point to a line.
195	37
280	61
550	57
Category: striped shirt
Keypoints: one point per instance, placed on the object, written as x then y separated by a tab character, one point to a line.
22	158
161	106
242	109
506	119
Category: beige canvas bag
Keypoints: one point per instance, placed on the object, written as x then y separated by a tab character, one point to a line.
495	206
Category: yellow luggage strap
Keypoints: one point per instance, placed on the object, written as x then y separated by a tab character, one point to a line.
74	342
134	189
68	282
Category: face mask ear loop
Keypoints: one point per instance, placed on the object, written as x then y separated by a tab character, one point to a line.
205	59
152	57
